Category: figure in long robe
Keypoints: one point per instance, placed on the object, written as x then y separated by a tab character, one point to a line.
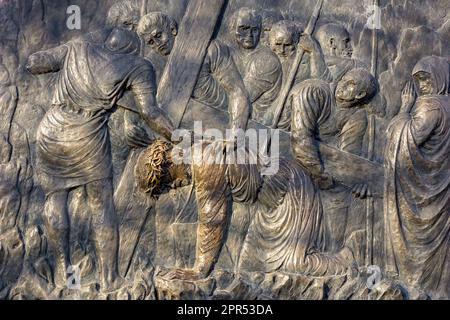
417	187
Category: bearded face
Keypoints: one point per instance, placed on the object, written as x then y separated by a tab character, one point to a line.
156	172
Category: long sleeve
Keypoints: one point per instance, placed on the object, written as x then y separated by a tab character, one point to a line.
304	145
47	61
311	108
226	73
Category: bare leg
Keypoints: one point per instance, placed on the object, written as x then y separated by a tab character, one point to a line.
105	232
57	223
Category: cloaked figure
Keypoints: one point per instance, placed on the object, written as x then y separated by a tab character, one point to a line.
417	187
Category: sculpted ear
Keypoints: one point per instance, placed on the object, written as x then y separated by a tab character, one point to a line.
361	95
174	29
332	43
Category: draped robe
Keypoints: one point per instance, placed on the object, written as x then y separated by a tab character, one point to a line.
286	232
417	189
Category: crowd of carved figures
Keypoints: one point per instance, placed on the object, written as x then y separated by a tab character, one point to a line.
93	203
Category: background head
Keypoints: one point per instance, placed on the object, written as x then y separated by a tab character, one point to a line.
158	30
269	18
246	26
335	40
357	87
432	76
123	14
283	38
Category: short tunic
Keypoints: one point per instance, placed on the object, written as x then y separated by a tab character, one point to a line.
73	146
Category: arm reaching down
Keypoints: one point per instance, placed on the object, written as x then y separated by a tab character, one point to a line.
143	88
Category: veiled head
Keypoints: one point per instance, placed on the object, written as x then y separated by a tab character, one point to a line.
432	76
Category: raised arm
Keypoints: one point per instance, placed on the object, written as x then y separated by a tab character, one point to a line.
318	66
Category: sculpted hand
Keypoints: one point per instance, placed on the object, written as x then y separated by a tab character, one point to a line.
408	97
136	136
308	43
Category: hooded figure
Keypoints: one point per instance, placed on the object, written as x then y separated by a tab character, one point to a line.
417	187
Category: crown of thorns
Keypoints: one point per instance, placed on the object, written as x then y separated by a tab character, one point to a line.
153	167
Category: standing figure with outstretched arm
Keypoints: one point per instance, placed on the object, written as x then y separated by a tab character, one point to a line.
73	146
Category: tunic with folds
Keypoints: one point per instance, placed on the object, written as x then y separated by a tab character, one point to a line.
286	233
73	146
262	74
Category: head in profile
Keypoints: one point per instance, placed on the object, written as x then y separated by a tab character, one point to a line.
246	25
432	76
158	31
357	87
335	40
123	14
283	39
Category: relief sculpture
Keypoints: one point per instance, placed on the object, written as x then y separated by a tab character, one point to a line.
224	150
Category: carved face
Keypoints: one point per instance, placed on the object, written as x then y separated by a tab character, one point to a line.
424	83
161	40
348	92
282	44
247	31
341	45
129	22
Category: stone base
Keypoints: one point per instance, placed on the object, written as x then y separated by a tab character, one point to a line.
184	290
